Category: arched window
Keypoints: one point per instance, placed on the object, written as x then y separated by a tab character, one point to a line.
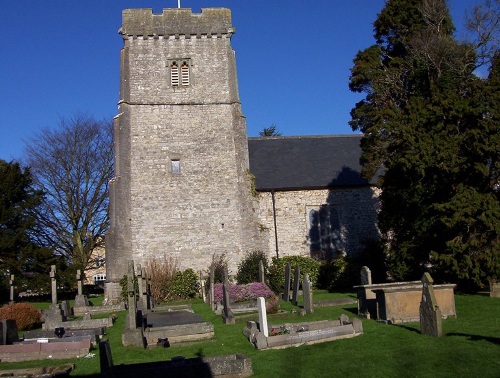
185	74
180	75
174	74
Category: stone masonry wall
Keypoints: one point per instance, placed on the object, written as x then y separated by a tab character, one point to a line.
357	210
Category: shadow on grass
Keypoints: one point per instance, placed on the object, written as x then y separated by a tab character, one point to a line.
409	328
494	340
353	310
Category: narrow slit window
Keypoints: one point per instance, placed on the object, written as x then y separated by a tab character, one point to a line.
174	74
176	166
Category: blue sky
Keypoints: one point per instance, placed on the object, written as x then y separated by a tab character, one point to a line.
61	57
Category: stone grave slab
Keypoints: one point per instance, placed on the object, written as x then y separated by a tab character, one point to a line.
288	335
228	366
176	326
41	351
161	319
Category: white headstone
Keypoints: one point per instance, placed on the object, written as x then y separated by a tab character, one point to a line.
261	306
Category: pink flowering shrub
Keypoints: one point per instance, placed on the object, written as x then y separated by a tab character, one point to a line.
242	293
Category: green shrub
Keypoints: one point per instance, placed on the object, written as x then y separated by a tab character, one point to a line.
25	315
248	268
184	285
307	265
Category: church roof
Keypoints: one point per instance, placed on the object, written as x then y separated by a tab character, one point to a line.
306	162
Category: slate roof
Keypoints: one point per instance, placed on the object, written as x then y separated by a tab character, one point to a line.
306	162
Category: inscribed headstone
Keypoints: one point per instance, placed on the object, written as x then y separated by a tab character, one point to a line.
296	285
261	307
430	314
366	276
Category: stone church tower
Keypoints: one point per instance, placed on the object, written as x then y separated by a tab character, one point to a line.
181	185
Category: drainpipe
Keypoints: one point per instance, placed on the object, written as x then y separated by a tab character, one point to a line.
275	229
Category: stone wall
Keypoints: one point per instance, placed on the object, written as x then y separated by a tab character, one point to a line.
355	208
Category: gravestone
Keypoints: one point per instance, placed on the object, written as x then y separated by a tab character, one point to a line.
65	308
495	289
133	335
54	314
8	332
11	283
262	277
143	302
150	291
296	285
430	314
212	288
366	276
261	306
53	284
286	291
202	284
308	295
227	314
80	299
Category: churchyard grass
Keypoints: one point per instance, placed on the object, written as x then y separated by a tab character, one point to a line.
470	346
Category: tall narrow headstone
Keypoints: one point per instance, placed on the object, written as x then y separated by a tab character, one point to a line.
286	291
202	285
132	335
308	295
131	300
53	284
227	313
366	276
262	277
261	307
11	283
225	275
150	291
79	281
212	288
141	284
80	300
296	285
430	314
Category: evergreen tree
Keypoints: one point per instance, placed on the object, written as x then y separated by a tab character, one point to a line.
19	254
429	123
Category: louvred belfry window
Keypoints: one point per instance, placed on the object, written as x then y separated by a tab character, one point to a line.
174	74
180	75
185	74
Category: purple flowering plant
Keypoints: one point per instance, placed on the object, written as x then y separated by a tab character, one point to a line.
242	293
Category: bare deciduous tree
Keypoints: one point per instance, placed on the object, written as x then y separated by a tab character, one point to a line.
72	165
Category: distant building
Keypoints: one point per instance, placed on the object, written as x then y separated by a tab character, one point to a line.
188	183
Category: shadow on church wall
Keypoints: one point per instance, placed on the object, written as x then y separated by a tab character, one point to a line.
346	221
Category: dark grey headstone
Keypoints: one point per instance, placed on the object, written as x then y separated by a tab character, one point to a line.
296	285
286	291
430	314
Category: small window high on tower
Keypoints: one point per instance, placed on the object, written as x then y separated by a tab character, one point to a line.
180	75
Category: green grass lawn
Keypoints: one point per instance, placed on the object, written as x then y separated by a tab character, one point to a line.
470	346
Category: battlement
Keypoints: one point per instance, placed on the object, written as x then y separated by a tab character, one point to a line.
176	21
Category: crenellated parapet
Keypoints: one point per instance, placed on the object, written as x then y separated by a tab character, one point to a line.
176	22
